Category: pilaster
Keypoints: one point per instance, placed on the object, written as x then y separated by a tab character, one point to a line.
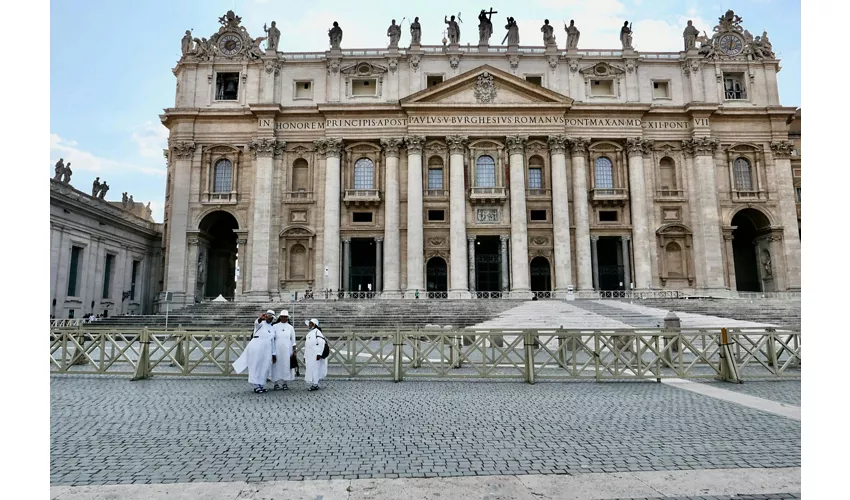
581	218
560	212
182	154
332	150
415	232
263	236
788	212
636	147
519	218
459	286
392	250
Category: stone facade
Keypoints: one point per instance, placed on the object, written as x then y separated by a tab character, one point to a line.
456	170
103	259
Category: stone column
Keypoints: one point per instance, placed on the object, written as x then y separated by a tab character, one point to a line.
192	271
346	263
580	215
241	244
627	272
730	259
519	217
788	212
457	209
181	167
710	258
636	147
471	253
332	149
392	253
594	258
379	277
262	234
560	213
415	233
504	262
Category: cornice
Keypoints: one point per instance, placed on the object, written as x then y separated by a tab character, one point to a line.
70	197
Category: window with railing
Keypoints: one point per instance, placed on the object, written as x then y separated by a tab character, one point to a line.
485	172
743	175
364	174
604	173
222	176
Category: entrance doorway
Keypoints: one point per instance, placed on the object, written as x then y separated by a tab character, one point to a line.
750	224
436	275
362	272
541	278
217	275
488	264
611	269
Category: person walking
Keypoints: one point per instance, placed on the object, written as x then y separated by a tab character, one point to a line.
314	345
285	345
260	353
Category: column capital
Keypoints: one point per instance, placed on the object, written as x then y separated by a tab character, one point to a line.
414	143
330	148
594	238
471	239
265	147
638	146
242	241
183	150
625	238
782	149
192	241
379	239
504	238
346	240
391	145
457	144
700	146
578	145
516	144
558	144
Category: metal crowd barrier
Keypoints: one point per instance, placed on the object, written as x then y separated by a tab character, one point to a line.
526	354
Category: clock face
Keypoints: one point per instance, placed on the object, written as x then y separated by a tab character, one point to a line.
229	44
731	45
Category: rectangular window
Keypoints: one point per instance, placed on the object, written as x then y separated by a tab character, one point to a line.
797	190
107	275
222	176
435	178
364	87
432	80
436	215
73	270
535	178
303	90
133	278
70	314
602	88
733	86
485	174
537	80
364	175
538	215
226	86
361	217
607	216
660	90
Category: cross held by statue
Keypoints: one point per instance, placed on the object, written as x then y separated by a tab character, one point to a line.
492	12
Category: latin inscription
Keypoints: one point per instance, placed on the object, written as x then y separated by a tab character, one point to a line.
355	123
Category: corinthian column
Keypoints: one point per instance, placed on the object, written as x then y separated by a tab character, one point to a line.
787	211
392	250
519	218
710	259
332	149
584	268
560	212
636	147
263	149
457	220
181	166
415	236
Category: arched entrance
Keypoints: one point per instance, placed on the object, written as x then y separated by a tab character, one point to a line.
541	278
436	275
749	224
219	277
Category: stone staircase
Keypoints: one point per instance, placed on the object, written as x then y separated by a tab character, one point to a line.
784	312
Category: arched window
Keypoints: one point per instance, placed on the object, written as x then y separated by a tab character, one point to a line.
299	175
604	173
535	173
222	176
485	171
435	173
668	174
364	174
298	262
743	175
675	269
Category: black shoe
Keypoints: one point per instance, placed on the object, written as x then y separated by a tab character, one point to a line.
313	388
284	387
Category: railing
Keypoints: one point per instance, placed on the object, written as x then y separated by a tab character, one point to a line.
366	196
532	50
659	55
436	193
628	294
437	295
769	295
749	195
543	295
538	193
221	198
297	196
68	322
488	295
556	354
297	56
601	53
670	193
600	194
486	192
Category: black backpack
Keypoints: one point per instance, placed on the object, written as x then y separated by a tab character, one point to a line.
327	350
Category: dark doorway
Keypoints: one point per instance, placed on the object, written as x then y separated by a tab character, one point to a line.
541	278
362	272
488	264
750	222
217	270
436	274
611	270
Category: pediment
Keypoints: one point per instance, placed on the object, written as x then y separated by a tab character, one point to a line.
602	70
486	86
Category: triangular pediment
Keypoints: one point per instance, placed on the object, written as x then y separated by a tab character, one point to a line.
486	86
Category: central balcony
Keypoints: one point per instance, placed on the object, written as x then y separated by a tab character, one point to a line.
300	196
487	194
609	196
436	194
362	197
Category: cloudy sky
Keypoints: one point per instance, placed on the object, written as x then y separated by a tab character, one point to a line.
110	62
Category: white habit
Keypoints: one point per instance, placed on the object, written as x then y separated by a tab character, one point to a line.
313	346
284	342
257	357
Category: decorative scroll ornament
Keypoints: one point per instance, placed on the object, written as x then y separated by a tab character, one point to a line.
782	149
539	240
516	143
638	146
513	59
553	62
700	146
579	145
391	145
454	61
262	146
558	144
333	65
414	143
456	143
485	88
414	61
392	64
437	242
333	148
183	150
273	67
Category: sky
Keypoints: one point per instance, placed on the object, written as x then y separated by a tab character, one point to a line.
111	62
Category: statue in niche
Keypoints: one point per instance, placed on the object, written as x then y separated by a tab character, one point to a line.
626	36
572	35
512	36
453	30
548	33
485	26
767	265
66	175
186	43
59	169
415	31
103	189
273	37
95	187
335	35
690	35
394	32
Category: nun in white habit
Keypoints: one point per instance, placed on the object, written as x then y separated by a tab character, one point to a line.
260	354
314	344
285	345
